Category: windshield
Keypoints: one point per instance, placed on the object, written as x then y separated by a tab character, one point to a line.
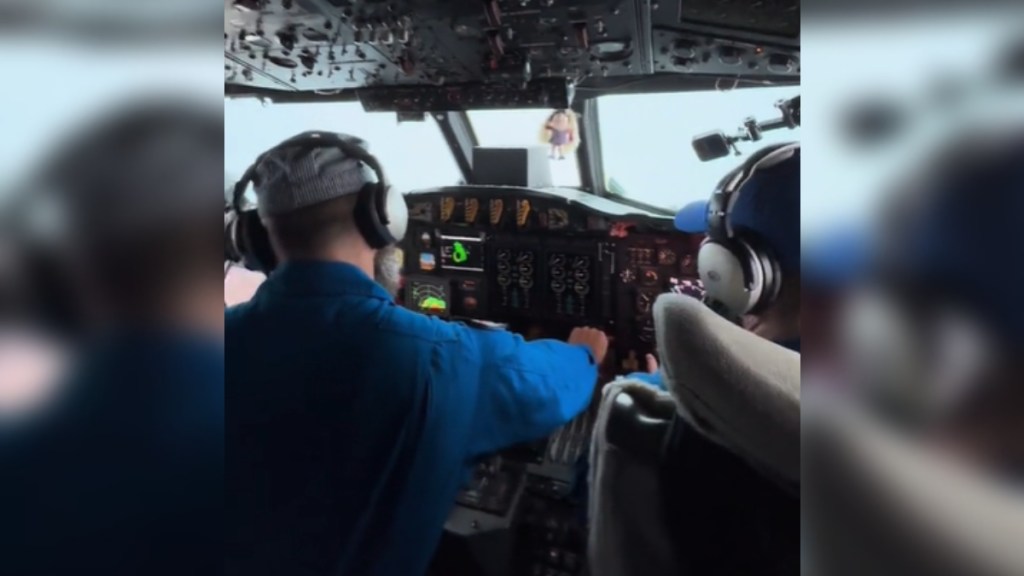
519	128
645	140
414	155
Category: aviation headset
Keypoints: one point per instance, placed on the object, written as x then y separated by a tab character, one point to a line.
739	272
381	215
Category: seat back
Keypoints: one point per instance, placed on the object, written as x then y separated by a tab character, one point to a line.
737	388
626	506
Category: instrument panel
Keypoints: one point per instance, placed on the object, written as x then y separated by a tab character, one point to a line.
553	258
428	56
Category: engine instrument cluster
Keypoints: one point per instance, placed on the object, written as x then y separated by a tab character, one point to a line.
555	258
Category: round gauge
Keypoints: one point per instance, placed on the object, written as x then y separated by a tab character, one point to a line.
666	257
627	276
504	266
650	277
581	262
525	257
504	255
504	279
556	260
557	286
526	282
581	274
581	288
558	273
525	269
643	303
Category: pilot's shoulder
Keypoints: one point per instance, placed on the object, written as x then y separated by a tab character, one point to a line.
233	314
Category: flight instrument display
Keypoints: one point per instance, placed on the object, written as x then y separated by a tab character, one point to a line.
462	253
428	296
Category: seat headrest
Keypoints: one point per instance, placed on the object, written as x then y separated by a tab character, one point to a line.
741	390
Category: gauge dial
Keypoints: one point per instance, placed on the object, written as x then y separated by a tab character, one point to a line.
504	279
525	282
472	207
497	208
557	286
581	288
643	302
447	207
557	218
581	274
522	212
558	273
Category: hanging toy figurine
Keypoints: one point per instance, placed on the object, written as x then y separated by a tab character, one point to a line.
560	133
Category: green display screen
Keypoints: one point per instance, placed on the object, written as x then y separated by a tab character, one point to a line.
462	253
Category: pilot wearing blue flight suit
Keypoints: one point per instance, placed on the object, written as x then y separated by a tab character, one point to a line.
122	473
764	214
352	422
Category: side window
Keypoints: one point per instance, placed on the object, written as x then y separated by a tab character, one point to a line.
240	285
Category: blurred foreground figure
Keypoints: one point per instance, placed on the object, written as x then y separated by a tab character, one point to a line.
123	472
919	469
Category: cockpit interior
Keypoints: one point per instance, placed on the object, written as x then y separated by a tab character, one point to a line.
509	240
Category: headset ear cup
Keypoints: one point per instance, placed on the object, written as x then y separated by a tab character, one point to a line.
772	280
723	275
254	243
367	217
397	215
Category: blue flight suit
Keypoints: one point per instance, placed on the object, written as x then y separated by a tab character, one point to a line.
352	422
124	473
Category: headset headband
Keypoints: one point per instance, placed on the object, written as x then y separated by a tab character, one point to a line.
728	192
309	141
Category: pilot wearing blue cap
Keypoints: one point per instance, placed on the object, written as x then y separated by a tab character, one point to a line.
352	422
749	263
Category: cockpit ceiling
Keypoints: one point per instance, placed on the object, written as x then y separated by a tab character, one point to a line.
343	45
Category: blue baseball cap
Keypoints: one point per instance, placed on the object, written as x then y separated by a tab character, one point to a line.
767	206
835	259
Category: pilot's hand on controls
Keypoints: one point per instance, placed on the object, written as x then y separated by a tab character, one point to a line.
592	338
652	364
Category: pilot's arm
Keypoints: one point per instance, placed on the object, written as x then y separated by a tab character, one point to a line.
528	389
